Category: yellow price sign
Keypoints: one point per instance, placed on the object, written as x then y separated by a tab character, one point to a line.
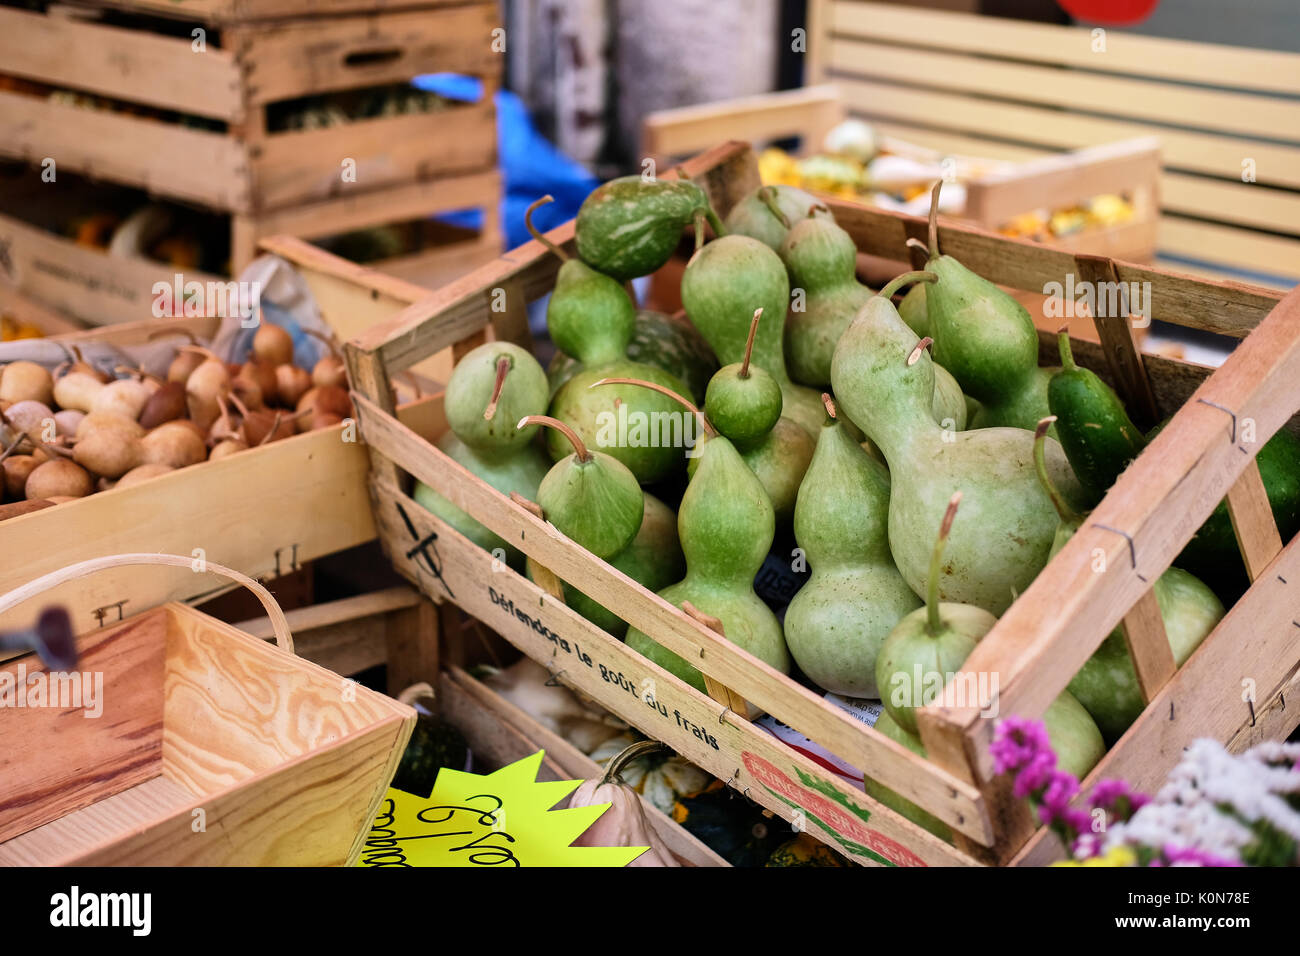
501	819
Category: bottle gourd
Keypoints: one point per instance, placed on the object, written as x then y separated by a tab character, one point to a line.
885	383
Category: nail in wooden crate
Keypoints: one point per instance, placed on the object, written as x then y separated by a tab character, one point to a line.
1035	648
211	748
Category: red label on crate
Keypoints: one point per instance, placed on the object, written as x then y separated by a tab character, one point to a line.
831	810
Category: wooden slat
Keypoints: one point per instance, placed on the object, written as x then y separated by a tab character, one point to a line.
301	166
307	56
1156	505
1231	201
125	149
1252	653
458	689
1246	114
1253	69
1226	245
753	679
1208	153
131	65
1122	354
1148	645
1252	521
227	11
604	668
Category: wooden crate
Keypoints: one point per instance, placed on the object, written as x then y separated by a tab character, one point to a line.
278	493
184	766
1011	89
406	167
1035	648
996	191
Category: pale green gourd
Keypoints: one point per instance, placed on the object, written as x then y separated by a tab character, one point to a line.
767	212
726	525
837	621
821	259
885	384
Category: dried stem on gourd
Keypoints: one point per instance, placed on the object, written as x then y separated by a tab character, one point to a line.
890	288
532	230
697	223
503	368
620	760
13	446
719	230
933	226
579	449
663	390
914	243
921	346
1063	509
749	343
933	623
830	405
767	195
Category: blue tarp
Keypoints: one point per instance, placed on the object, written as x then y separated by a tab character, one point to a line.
530	164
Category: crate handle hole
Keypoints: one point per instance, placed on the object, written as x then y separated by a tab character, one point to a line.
361	59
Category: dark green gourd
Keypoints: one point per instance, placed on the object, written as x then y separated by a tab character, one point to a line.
1098	437
591	317
767	213
837	621
667	342
724	282
1107	685
726	526
885	384
986	339
630	226
821	259
492	386
589	496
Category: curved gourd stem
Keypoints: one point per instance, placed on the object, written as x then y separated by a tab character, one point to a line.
614	769
934	219
767	195
503	369
1063	510
1067	353
532	230
829	403
13	446
698	222
663	390
749	343
921	346
275	427
152	336
933	623
710	216
914	243
579	449
907	278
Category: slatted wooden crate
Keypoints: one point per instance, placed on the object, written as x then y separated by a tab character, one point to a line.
996	191
1010	89
1036	647
277	493
182	765
146	56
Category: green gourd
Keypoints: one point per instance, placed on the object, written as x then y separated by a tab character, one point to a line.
724	282
767	212
885	384
743	401
779	460
726	526
654	560
589	496
1107	685
837	621
928	645
630	226
821	259
1098	437
589	315
667	342
489	384
986	339
888	727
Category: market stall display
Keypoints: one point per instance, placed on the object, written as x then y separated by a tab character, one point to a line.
1037	646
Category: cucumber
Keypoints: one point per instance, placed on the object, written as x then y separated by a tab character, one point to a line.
1098	437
